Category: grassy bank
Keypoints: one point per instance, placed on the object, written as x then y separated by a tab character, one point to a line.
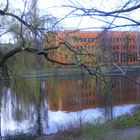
109	130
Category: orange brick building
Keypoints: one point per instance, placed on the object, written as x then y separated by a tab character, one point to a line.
121	47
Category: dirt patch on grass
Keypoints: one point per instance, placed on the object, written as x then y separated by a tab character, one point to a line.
124	134
132	133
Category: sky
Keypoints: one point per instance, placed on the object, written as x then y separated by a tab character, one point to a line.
56	8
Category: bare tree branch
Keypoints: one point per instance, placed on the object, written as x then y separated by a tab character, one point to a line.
6	7
117	14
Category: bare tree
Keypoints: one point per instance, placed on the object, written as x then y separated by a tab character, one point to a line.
26	32
27	28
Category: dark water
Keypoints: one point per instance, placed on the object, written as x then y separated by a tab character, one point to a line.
42	106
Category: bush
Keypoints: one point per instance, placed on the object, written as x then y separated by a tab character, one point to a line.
96	130
127	121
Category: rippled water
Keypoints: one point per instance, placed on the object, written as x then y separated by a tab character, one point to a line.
41	106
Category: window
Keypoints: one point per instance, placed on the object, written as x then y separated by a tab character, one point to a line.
110	47
71	40
80	39
85	39
92	39
74	39
110	39
124	39
121	39
67	39
134	57
88	39
131	58
103	40
123	57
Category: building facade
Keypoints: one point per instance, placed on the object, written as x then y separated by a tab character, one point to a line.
92	47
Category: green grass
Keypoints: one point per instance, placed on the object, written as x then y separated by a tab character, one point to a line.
97	131
137	137
127	121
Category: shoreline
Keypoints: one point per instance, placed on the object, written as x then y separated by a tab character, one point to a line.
68	72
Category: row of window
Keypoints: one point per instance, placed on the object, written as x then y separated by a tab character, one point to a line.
125	47
104	39
84	47
82	102
121	80
76	95
76	86
106	47
118	99
124	57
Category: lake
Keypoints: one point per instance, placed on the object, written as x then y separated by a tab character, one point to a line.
44	105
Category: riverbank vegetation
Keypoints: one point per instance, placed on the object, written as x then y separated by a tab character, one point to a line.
110	130
120	128
28	44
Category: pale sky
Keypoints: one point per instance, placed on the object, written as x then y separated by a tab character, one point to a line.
56	7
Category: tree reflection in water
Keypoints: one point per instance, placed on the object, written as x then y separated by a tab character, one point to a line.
23	106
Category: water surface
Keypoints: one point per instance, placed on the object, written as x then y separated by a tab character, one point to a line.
41	106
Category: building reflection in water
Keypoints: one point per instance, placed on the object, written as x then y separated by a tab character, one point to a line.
73	94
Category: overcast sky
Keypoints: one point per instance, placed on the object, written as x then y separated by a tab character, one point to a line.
56	7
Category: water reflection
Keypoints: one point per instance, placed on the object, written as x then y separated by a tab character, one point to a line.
37	105
22	106
79	94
